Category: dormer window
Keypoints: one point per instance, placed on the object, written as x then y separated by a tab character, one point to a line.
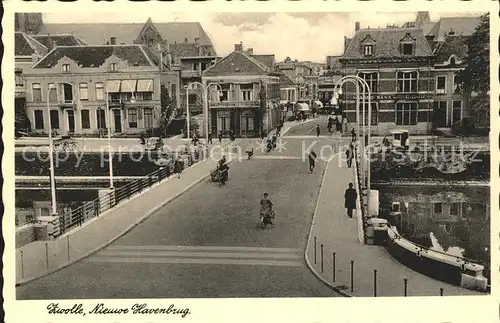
408	45
407	49
113	67
65	68
368	50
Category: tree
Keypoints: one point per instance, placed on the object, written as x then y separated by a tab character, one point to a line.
167	109
476	76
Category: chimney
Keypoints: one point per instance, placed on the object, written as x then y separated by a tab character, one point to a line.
238	47
356	26
112	40
250	51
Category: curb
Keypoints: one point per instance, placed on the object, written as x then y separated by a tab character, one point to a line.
125	231
308	262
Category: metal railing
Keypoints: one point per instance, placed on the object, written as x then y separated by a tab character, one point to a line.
76	217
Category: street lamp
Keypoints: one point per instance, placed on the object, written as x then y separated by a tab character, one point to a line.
51	150
356	80
110	154
187	108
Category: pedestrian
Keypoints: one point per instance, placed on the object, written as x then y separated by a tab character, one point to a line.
330	123
220	137
348	157
178	166
231	135
209	138
317	130
350	199
353	134
312	160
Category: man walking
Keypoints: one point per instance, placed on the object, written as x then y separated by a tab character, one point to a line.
318	131
220	137
353	134
350	199
209	138
348	157
312	160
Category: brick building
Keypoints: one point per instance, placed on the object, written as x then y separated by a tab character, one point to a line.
246	98
125	75
304	76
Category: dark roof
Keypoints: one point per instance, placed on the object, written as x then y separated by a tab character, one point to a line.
25	45
238	63
94	56
285	80
99	33
452	45
61	40
387	42
155	58
459	25
267	60
190	50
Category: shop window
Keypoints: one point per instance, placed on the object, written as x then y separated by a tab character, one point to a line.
406	113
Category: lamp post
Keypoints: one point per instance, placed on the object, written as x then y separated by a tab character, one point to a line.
356	80
110	153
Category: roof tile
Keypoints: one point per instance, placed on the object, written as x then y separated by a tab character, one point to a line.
61	40
237	63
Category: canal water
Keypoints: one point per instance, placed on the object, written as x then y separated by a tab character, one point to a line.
447	218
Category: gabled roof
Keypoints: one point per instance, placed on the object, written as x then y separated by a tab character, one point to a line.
285	80
387	43
190	50
95	56
459	25
61	40
452	45
25	45
238	63
267	60
99	33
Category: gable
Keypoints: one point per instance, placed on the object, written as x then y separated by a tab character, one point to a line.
237	63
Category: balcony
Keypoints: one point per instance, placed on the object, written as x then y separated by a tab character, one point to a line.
66	104
235	104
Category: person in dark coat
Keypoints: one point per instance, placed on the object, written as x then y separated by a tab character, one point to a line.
348	157
353	134
318	131
220	136
210	138
350	199
330	123
312	160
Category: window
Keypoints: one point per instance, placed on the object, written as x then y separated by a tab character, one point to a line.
114	97
224	94
441	84
374	115
371	79
457	111
101	119
438	208
396	207
195	66
246	92
284	94
223	121
65	68
38	119
407	49
84	92
192	98
148	118
457	85
113	67
52	92
37	92
368	50
54	119
132	118
406	113
99	91
246	121
203	66
19	78
85	114
454	208
407	81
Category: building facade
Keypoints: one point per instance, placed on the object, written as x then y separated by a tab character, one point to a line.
243	94
78	80
304	76
397	64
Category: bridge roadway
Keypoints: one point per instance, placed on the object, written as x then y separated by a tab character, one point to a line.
207	242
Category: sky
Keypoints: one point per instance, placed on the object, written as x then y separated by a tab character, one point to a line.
298	35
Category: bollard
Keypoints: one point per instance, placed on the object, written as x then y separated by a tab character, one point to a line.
352	275
333	267
67	243
321	258
315	250
22	264
442	291
406	286
375	282
47	254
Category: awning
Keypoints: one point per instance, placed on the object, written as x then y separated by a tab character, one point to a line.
145	86
113	86
302	107
128	85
